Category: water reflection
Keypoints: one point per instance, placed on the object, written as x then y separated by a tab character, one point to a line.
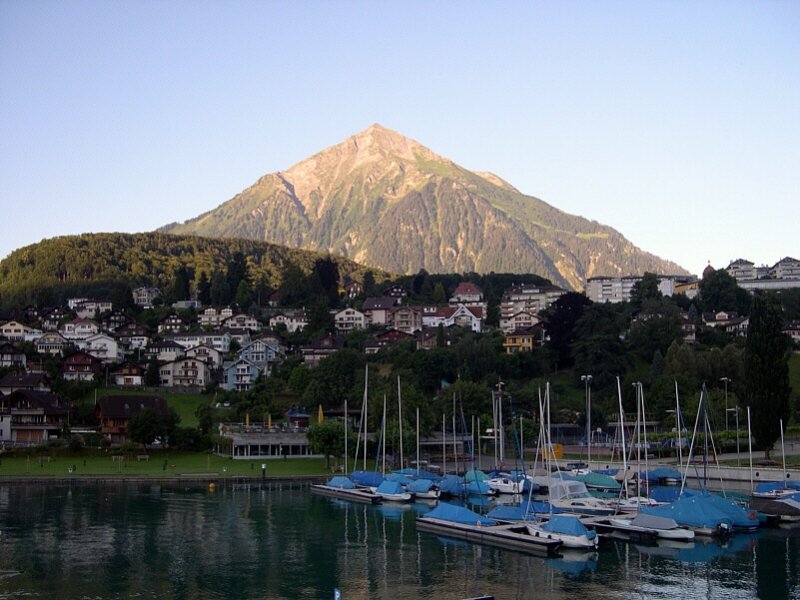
278	541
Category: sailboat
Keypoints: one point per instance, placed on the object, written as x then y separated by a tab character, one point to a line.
777	500
567	528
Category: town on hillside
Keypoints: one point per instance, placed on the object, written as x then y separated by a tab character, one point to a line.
226	351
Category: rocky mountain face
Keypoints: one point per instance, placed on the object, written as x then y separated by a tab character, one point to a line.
386	201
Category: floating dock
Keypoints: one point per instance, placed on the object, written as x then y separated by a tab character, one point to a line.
508	537
355	495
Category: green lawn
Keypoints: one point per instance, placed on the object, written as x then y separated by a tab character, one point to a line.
183	404
158	464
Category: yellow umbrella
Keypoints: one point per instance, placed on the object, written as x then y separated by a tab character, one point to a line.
269	420
320	416
247	419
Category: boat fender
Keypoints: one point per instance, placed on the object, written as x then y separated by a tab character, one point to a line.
752	515
477	523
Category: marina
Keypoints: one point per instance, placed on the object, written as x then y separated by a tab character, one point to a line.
278	540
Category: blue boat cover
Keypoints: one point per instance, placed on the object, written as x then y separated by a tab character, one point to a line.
395	476
599	480
740	517
479	488
390	487
569	525
457	514
769	486
452	484
662	473
665	493
475	475
341	483
366	478
526	511
691	510
419	486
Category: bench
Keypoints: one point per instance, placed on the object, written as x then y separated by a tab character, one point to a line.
143	457
118	458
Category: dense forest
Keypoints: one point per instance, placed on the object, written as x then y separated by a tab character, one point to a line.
105	264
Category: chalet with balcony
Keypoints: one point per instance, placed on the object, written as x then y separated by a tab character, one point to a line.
212	318
91	309
35	416
518	321
165	351
14	331
144	296
128	374
349	319
293	320
523	340
468	294
240	375
133	336
115	413
172	323
241	321
81	366
314	352
79	329
114	320
185	373
376	309
102	346
404	318
35	382
53	318
52	343
211	356
262	352
12	357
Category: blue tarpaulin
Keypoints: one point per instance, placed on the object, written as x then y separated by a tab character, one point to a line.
457	514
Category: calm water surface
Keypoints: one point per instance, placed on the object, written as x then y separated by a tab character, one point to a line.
278	541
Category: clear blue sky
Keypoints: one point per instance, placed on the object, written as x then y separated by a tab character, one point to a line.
678	123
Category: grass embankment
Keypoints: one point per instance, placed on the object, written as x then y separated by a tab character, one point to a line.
160	463
183	404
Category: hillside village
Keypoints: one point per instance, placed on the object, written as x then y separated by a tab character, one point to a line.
195	348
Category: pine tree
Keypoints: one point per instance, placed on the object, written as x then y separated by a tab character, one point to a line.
766	371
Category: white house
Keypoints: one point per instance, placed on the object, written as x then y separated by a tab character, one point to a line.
350	319
185	372
102	346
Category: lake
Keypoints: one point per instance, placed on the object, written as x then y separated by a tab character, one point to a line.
279	541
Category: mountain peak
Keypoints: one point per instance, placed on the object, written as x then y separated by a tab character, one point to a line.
387	201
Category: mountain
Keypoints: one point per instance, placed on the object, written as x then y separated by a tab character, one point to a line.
46	272
387	201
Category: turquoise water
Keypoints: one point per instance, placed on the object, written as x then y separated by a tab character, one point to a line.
170	541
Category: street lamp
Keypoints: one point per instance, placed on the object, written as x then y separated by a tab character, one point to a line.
725	380
587	379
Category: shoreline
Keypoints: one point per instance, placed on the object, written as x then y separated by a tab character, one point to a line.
198	478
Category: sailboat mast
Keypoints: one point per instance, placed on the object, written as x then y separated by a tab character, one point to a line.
400	419
678	432
444	445
418	441
750	449
346	458
366	409
383	435
783	453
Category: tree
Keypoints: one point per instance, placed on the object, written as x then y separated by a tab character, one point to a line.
180	283
439	295
244	295
327	271
152	378
560	321
204	289
719	291
644	290
327	438
220	290
766	371
144	427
